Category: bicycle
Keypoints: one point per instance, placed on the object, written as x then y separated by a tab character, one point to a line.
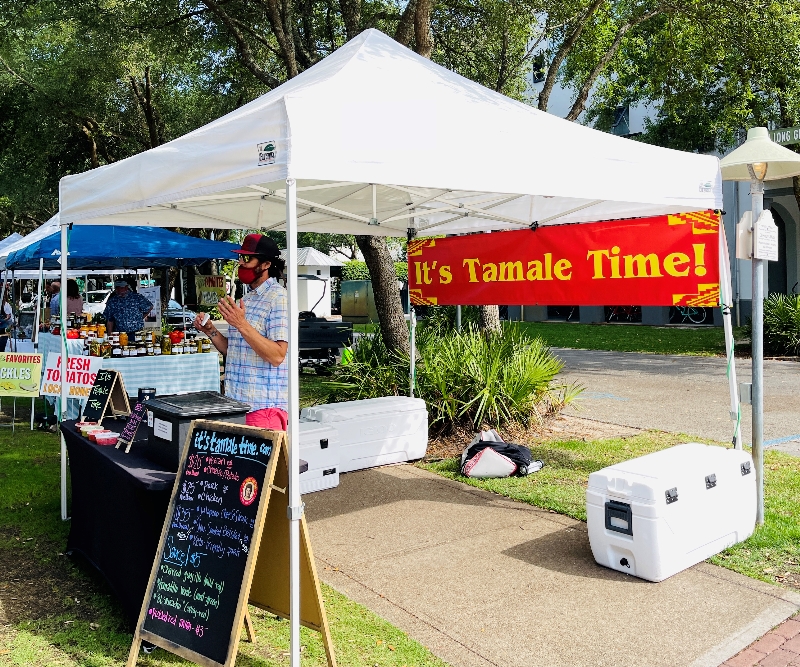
562	312
623	313
690	314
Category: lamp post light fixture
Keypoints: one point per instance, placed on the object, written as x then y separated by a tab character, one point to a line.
757	160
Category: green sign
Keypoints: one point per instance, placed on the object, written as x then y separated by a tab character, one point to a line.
20	374
785	135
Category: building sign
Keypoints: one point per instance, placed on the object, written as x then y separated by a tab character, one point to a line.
668	260
785	135
20	373
210	289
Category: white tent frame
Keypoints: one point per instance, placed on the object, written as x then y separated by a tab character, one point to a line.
446	190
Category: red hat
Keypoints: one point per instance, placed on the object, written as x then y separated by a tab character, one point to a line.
258	244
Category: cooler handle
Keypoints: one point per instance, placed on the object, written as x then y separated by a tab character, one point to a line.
619	517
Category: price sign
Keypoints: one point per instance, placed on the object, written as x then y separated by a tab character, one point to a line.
134	421
224	542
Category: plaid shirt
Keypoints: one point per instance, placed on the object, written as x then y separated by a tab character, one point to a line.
248	378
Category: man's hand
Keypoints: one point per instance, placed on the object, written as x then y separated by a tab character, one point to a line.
232	313
206	328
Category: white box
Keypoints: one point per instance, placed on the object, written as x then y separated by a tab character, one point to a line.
319	447
376	431
658	514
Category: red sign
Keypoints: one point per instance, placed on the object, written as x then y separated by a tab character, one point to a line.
669	260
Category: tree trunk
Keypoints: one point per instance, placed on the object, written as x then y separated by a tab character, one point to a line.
489	318
386	292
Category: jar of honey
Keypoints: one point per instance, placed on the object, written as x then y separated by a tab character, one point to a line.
123	338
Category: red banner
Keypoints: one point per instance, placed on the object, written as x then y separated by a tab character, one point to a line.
669	260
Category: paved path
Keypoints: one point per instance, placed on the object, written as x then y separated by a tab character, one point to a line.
683	394
484	581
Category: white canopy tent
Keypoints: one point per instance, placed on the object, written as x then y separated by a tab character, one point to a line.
8	240
42	232
376	140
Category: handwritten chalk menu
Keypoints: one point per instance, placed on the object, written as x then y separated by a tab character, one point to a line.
200	581
107	396
134	421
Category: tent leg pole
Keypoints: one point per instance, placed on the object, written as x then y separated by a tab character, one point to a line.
295	506
727	303
15	325
458	318
412	355
183	303
37	318
64	365
757	195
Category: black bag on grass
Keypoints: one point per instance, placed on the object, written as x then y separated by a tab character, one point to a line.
488	456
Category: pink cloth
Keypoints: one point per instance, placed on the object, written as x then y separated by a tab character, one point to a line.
274	419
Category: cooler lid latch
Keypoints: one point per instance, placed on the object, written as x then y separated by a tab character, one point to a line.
711	481
746	468
671	495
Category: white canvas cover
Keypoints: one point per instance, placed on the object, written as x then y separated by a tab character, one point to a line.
440	150
42	232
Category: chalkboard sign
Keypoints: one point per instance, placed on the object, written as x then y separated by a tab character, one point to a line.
129	432
106	397
200	581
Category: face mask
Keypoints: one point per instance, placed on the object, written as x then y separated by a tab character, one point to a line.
249	276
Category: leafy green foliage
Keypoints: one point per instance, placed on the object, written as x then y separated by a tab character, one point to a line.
465	378
781	325
357	270
442	319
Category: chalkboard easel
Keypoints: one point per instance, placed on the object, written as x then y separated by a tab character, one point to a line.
225	542
107	397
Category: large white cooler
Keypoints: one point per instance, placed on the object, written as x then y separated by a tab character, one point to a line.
376	431
658	514
319	447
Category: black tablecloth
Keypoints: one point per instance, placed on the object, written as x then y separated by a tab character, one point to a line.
119	502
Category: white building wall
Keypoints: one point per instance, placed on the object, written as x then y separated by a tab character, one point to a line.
309	292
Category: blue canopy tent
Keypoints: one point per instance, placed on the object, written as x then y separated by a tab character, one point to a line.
115	247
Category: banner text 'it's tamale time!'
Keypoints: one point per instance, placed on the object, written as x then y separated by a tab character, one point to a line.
669	260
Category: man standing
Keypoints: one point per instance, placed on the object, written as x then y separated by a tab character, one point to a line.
256	370
55	296
126	310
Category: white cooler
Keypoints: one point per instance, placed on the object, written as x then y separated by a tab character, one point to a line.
319	447
376	431
658	514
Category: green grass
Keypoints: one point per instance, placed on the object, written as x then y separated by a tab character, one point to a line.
65	615
701	340
772	554
313	389
704	341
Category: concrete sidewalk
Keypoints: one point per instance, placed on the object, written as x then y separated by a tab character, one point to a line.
682	394
482	580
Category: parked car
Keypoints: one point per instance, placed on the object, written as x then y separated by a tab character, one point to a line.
175	315
96	301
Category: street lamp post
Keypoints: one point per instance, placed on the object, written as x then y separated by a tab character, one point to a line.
757	160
